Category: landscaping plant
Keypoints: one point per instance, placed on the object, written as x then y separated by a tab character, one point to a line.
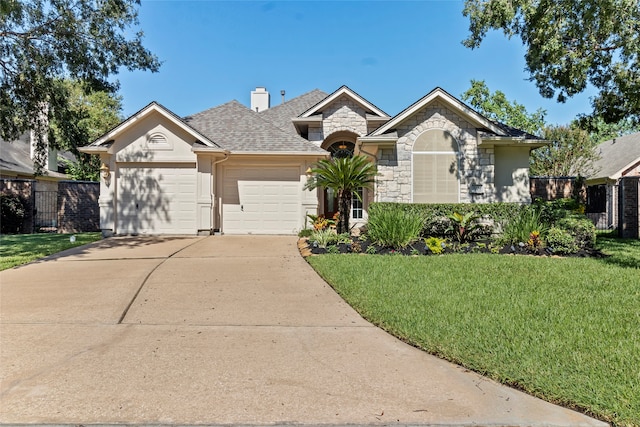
394	228
12	213
464	228
344	176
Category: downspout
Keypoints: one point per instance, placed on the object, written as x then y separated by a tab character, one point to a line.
214	205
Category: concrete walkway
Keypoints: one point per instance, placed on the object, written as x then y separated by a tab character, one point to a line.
220	330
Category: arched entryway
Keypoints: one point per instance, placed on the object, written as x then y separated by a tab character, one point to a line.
341	145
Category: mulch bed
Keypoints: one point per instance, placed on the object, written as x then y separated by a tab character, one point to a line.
419	247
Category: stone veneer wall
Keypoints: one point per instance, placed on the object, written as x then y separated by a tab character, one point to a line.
394	182
341	115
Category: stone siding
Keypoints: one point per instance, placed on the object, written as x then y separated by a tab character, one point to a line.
476	164
342	115
78	209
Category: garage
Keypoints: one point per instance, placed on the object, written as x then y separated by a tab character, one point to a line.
261	200
156	200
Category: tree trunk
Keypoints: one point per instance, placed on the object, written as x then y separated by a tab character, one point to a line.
344	209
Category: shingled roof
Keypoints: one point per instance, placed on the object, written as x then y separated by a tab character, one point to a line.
281	115
616	156
239	129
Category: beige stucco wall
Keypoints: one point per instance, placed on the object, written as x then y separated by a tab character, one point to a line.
133	148
512	174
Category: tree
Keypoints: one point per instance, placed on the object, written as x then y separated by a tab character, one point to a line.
45	41
570	44
571	150
344	176
90	115
497	107
571	153
600	131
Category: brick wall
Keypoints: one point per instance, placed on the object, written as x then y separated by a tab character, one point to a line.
629	213
549	188
78	209
25	189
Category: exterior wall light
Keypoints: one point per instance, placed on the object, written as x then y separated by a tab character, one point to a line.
105	172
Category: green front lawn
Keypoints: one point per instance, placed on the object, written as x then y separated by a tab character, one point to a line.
18	249
563	329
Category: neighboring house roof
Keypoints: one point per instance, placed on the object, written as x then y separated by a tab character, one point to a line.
281	115
239	129
617	155
15	160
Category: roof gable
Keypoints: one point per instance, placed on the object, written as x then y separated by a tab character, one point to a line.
152	108
439	94
344	90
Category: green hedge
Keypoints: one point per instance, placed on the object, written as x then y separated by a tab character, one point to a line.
436	219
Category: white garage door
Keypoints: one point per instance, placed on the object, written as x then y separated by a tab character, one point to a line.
261	200
158	200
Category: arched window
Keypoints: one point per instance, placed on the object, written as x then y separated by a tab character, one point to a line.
341	149
436	175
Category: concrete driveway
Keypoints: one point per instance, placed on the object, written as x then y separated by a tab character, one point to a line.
220	330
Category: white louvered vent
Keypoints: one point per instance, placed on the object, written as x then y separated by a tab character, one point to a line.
158	138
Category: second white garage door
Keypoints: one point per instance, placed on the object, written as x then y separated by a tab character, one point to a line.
261	200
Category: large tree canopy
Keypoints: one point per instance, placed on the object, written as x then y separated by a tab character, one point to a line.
45	41
571	43
89	115
496	106
570	151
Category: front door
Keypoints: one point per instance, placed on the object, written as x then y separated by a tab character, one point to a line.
330	203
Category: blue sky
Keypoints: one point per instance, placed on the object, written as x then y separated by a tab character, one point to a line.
390	52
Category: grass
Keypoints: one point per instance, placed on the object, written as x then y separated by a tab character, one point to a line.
563	329
18	249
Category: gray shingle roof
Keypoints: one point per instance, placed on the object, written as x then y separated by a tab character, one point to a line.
617	154
237	128
281	115
15	157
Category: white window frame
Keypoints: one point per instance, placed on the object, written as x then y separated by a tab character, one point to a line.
422	153
357	206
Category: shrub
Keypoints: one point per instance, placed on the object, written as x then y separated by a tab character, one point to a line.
435	244
393	227
464	228
519	228
581	228
435	215
305	232
560	241
554	210
324	237
12	213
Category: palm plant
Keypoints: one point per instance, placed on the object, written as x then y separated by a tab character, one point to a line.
344	176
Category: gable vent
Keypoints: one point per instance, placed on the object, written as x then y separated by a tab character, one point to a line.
157	138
